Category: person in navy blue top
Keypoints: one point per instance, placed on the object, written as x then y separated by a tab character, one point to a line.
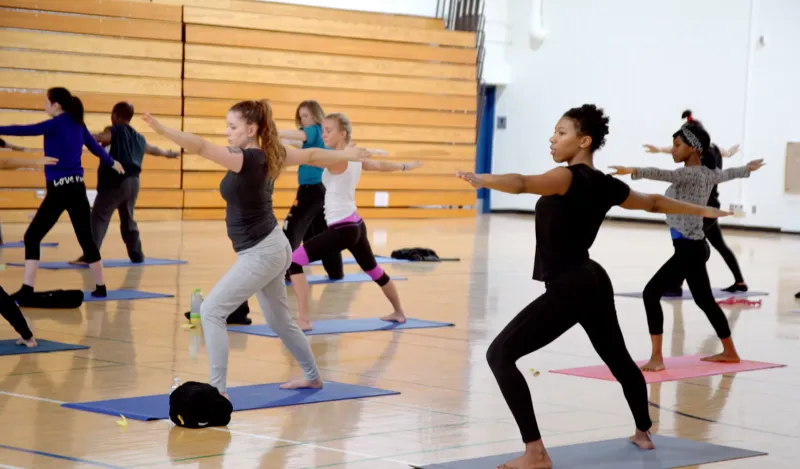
64	137
306	218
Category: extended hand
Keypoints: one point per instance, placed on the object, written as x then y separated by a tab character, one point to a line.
49	160
173	154
622	170
651	148
755	164
118	167
476	180
414	165
711	212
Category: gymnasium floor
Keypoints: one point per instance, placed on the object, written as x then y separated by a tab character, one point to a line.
449	408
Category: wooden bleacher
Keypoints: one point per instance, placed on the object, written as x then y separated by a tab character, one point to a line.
104	52
406	83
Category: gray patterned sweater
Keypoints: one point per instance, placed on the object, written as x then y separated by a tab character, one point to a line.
691	184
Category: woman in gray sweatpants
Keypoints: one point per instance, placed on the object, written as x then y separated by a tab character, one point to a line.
254	160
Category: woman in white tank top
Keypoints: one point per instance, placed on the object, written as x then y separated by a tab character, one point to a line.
346	229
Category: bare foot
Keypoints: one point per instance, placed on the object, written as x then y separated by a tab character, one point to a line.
724	357
30	343
642	440
529	460
303	384
655	364
304	325
78	261
397	317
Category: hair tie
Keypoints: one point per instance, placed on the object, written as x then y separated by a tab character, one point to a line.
689	118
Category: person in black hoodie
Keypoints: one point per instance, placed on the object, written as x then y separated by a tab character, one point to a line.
119	191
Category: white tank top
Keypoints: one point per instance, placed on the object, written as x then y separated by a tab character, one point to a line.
340	192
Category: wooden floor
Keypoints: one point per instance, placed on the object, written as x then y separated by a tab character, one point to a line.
449	407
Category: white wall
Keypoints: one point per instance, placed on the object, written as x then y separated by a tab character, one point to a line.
644	62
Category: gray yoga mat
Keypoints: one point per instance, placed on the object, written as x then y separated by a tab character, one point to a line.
687	295
670	453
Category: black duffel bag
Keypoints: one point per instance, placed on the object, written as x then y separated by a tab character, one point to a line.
52	299
199	405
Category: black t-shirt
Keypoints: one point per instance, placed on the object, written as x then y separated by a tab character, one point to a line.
248	193
127	147
567	225
716	155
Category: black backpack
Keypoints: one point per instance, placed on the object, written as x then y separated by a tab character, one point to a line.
416	254
199	405
52	299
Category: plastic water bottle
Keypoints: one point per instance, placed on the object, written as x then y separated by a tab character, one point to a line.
195	341
176	383
197	300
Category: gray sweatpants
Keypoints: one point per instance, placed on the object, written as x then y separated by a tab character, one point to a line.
258	270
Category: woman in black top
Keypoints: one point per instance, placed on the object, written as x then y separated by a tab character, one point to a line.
575	201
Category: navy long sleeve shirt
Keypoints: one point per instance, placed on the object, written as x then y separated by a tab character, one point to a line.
63	139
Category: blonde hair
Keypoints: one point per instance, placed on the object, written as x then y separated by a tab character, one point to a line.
343	122
260	113
313	108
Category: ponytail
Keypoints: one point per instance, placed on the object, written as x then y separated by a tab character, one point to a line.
260	113
72	105
270	141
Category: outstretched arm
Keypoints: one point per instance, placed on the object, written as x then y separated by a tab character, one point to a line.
555	181
156	151
227	157
14	163
655	149
740	172
389	166
729	152
683	174
323	158
656	203
298	135
27	130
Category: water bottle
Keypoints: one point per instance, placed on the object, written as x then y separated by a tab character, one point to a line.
175	385
195	340
194	314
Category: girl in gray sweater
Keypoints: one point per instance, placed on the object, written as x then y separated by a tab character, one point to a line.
692	183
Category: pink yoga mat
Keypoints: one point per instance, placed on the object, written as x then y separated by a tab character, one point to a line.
678	368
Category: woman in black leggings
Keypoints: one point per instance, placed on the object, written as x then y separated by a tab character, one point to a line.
575	201
64	138
711	225
691	183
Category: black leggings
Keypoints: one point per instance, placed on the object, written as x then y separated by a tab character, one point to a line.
69	195
582	296
11	313
689	262
306	219
349	235
714	236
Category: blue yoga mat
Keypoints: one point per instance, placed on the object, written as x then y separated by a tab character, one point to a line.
670	453
348	278
20	244
257	396
380	259
10	347
110	263
687	295
120	295
343	326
